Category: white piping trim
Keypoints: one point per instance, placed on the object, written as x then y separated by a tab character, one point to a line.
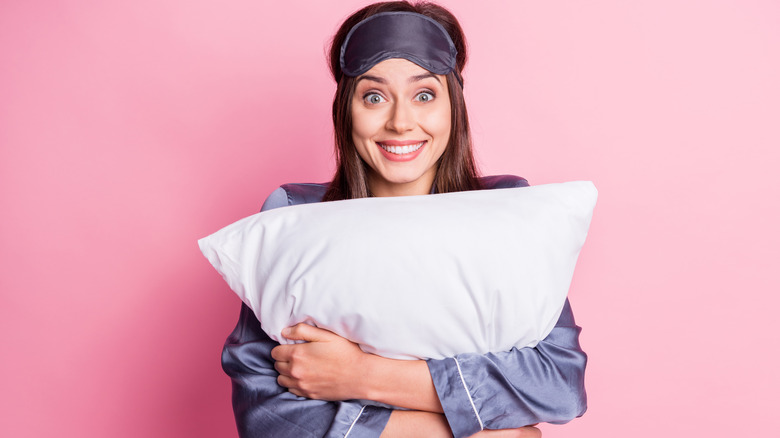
353	423
460	374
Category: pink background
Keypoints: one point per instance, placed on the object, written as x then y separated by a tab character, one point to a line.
130	129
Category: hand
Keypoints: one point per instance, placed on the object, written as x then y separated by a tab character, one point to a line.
326	367
523	432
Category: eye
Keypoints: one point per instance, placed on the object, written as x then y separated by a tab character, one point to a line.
373	98
425	96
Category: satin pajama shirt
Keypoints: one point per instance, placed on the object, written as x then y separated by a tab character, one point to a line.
477	391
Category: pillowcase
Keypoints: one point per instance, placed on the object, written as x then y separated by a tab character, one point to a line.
412	277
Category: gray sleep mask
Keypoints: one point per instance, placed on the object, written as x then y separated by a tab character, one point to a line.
406	35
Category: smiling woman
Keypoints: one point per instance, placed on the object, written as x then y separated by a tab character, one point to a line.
401	128
425	35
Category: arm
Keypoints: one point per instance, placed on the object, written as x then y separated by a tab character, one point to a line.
476	392
406	424
263	408
515	388
329	367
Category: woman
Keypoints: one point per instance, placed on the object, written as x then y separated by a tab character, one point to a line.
401	129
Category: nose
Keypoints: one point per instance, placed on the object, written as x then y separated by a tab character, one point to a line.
401	118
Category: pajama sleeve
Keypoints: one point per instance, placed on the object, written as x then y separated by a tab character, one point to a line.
263	408
515	388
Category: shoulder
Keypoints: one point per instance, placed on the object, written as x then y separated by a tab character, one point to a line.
502	181
305	193
294	194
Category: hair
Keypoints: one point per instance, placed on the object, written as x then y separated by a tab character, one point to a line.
457	169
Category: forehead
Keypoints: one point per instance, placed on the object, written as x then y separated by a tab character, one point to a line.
398	69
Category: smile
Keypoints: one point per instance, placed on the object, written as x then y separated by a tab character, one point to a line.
402	150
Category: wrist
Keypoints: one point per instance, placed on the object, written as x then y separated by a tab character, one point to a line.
403	383
372	377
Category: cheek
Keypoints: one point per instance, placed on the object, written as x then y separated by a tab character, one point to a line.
438	123
361	134
360	144
446	123
363	126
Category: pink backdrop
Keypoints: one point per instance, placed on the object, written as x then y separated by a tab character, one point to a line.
130	129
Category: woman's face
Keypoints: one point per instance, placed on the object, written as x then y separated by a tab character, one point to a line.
400	126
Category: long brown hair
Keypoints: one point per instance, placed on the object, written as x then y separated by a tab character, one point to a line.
457	170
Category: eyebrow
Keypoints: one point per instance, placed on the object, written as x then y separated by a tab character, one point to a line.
425	75
415	78
371	78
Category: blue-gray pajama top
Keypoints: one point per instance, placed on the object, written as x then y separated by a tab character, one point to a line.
491	391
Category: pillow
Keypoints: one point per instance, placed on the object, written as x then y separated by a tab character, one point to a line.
415	276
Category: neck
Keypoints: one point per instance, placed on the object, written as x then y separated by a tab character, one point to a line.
380	187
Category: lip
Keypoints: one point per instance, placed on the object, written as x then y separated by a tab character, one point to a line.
401	157
400	142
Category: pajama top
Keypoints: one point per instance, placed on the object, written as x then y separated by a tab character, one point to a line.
477	391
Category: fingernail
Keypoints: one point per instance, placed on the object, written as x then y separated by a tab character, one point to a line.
286	331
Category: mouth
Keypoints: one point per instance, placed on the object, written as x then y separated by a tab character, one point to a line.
401	149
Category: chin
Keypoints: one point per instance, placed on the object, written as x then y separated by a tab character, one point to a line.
402	179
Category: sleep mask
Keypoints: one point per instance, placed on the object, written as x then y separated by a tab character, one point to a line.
407	35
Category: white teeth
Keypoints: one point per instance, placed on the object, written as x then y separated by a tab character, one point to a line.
401	150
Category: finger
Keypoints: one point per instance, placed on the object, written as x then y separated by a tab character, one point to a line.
305	332
282	352
286	382
283	368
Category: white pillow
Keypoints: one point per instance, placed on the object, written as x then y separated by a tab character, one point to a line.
416	276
